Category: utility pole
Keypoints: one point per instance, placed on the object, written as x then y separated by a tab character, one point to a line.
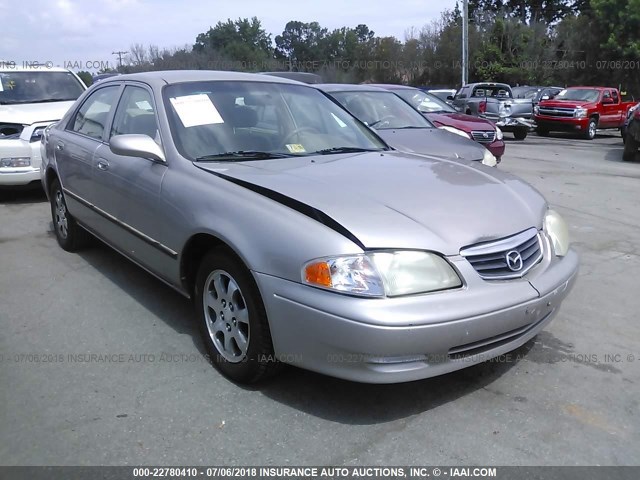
119	54
465	42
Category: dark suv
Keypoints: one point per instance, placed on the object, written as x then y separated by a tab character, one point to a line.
631	133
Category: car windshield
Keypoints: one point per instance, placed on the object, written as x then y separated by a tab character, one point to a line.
580	94
381	110
425	102
250	120
38	86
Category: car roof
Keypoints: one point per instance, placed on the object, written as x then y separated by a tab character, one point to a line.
160	78
593	88
305	77
348	87
490	84
393	86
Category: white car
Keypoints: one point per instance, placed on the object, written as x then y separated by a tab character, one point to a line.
30	100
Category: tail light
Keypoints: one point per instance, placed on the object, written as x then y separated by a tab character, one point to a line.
482	107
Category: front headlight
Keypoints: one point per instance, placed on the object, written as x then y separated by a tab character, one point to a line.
457	131
489	159
558	232
499	135
580	112
382	273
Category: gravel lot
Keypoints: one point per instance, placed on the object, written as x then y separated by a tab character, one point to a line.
568	398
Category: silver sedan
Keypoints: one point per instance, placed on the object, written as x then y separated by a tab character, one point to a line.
299	234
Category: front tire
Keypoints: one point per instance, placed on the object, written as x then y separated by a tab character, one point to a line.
542	132
520	133
590	134
71	236
232	319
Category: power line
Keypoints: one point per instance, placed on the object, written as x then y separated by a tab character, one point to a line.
119	54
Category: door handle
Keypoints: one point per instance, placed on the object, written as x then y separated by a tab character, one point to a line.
103	165
60	146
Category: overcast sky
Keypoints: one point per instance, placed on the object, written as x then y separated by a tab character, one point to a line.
81	32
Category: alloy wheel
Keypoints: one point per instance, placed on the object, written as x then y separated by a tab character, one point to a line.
226	316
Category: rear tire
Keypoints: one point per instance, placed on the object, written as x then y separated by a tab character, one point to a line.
520	133
71	236
630	149
232	319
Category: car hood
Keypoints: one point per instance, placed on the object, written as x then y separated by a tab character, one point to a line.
565	104
396	200
29	113
464	122
432	141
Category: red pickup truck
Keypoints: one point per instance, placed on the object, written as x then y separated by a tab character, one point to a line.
581	110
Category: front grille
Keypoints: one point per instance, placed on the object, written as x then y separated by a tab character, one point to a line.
556	112
510	257
10	130
484	136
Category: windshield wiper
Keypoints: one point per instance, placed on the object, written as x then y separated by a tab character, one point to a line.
327	151
240	156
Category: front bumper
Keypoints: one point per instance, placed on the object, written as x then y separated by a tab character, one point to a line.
509	124
566	124
496	148
404	339
17	176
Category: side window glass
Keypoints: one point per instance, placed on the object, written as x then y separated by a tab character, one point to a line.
92	117
135	114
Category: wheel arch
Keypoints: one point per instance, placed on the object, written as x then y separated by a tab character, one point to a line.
50	176
196	247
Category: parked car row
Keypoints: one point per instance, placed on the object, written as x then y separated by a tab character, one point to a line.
298	232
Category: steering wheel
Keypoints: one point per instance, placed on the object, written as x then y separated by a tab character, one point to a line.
297	131
383	122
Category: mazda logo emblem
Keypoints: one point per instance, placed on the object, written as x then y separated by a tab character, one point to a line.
514	260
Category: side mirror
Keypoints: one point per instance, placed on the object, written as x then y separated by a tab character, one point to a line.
142	146
607	101
449	97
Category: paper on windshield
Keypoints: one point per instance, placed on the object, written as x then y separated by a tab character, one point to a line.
144	105
195	110
295	148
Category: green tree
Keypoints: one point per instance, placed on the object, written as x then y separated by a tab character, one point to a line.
86	77
303	44
242	40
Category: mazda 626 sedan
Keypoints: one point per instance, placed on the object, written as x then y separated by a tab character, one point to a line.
300	235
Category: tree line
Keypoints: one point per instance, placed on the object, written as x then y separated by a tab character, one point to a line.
520	42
